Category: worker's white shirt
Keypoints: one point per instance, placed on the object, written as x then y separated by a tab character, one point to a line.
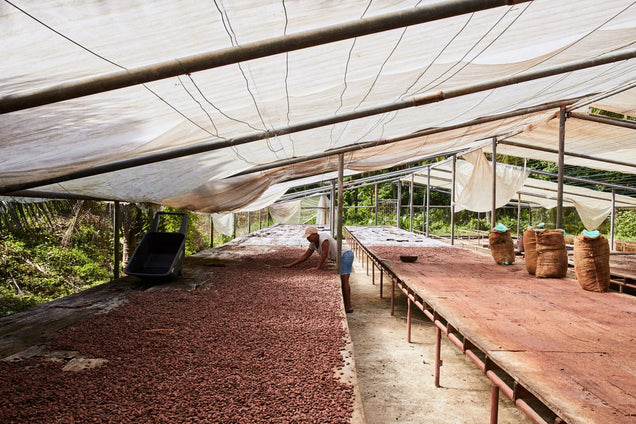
333	246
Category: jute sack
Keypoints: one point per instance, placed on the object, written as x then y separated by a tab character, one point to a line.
529	248
501	246
552	256
591	262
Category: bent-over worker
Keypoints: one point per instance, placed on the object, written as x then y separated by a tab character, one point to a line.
327	248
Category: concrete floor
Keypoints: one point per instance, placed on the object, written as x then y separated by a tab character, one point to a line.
396	378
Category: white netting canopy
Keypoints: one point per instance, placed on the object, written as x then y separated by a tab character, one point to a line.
240	131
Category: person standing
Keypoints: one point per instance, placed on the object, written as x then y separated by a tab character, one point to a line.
327	248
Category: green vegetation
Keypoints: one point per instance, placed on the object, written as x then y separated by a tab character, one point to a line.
53	253
56	248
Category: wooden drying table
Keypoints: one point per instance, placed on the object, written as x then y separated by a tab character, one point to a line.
623	270
543	342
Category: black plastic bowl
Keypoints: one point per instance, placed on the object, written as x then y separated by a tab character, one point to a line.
407	258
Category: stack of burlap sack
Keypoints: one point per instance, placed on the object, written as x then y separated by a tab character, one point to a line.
546	254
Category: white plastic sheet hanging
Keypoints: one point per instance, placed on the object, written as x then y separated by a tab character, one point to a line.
592	213
322	214
223	223
286	213
474	183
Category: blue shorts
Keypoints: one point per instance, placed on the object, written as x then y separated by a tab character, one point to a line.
346	263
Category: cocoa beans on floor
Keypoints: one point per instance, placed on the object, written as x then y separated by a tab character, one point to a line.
258	344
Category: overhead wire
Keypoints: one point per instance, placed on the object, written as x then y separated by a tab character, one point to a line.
492	28
204	97
380	119
567	47
560	51
466	64
345	85
225	19
92	52
291	139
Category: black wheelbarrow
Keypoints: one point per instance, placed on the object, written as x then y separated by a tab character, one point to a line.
159	256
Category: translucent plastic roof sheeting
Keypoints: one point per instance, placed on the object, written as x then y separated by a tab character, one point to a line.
46	43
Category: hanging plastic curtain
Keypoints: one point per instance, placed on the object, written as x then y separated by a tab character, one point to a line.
223	223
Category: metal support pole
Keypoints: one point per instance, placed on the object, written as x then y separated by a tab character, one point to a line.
332	209
116	227
559	211
340	210
249	222
211	231
381	282
375	191
392	295
399	202
408	319
452	208
518	215
235	222
428	199
613	219
494	404
411	202
493	209
438	352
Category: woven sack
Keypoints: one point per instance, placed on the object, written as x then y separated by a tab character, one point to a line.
552	256
591	262
529	248
501	246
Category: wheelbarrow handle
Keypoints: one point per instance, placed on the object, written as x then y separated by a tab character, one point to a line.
184	221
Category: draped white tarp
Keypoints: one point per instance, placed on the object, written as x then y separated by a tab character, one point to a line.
223	223
286	212
592	215
474	183
593	206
